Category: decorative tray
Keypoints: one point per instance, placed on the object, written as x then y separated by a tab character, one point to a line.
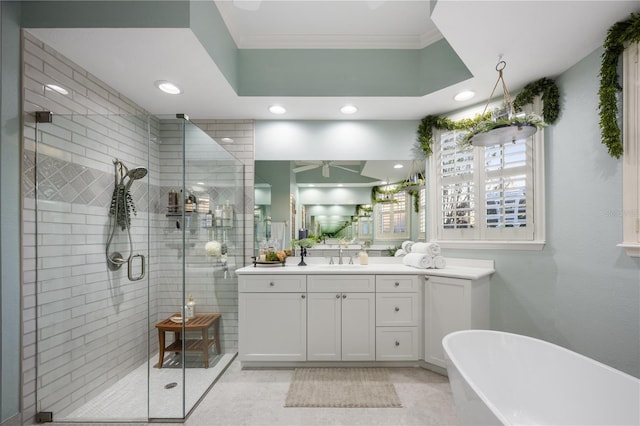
267	263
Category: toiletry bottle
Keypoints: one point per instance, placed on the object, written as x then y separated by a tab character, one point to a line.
364	257
190	310
173	201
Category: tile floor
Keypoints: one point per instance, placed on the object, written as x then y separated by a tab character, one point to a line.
256	397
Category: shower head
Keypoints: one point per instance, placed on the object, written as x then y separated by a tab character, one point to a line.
138	173
135	174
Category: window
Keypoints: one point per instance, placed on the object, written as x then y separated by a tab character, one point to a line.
487	197
631	156
391	217
422	216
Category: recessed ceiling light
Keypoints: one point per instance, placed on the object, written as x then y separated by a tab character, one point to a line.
226	140
398	166
168	87
340	184
277	109
56	88
464	95
200	183
311	184
348	109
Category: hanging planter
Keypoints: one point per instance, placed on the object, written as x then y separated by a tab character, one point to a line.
504	125
545	87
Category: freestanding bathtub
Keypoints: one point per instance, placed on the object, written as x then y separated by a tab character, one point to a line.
504	378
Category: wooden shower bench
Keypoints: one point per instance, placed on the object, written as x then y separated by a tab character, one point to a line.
201	322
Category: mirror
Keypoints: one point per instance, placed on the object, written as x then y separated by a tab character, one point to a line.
333	200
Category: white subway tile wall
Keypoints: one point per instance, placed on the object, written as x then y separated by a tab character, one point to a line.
91	326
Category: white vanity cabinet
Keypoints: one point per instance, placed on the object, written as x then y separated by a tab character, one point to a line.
398	316
452	304
272	318
341	318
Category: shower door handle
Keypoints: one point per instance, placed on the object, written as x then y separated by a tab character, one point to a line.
130	268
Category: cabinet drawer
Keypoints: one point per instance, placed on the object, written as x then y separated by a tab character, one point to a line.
341	283
402	283
397	343
397	309
272	283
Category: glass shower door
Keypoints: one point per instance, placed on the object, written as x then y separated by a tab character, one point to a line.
86	197
199	241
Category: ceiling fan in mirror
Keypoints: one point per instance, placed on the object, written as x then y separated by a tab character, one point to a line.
325	165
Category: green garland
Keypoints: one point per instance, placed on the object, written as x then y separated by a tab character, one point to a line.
550	98
415	193
551	110
618	35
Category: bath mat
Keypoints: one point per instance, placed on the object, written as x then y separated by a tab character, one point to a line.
342	388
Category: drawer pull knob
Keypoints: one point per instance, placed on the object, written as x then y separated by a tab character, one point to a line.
397	343
338	296
397	284
303	296
397	309
271	284
344	296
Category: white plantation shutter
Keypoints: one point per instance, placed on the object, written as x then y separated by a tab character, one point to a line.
457	188
391	218
488	194
506	176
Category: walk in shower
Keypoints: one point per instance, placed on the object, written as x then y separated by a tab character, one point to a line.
133	225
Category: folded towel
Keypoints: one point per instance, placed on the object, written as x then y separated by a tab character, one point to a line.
434	249
400	252
439	262
418	260
406	246
420	248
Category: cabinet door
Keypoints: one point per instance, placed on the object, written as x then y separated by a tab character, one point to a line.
324	318
447	309
358	327
272	327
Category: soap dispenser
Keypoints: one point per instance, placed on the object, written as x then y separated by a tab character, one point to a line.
190	310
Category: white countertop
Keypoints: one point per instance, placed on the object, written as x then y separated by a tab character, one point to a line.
472	269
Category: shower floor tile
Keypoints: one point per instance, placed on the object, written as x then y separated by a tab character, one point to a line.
127	399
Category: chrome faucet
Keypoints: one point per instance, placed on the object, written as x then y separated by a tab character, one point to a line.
340	255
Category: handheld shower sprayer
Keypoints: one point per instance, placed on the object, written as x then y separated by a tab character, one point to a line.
121	207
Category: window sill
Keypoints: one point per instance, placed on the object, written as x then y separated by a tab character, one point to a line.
632	249
492	245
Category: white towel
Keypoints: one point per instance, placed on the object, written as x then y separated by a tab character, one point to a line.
439	262
277	234
400	252
406	246
420	248
434	249
418	260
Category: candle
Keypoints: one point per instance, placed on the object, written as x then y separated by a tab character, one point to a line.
303	233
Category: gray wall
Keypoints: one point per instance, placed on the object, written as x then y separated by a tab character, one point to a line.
10	211
581	291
